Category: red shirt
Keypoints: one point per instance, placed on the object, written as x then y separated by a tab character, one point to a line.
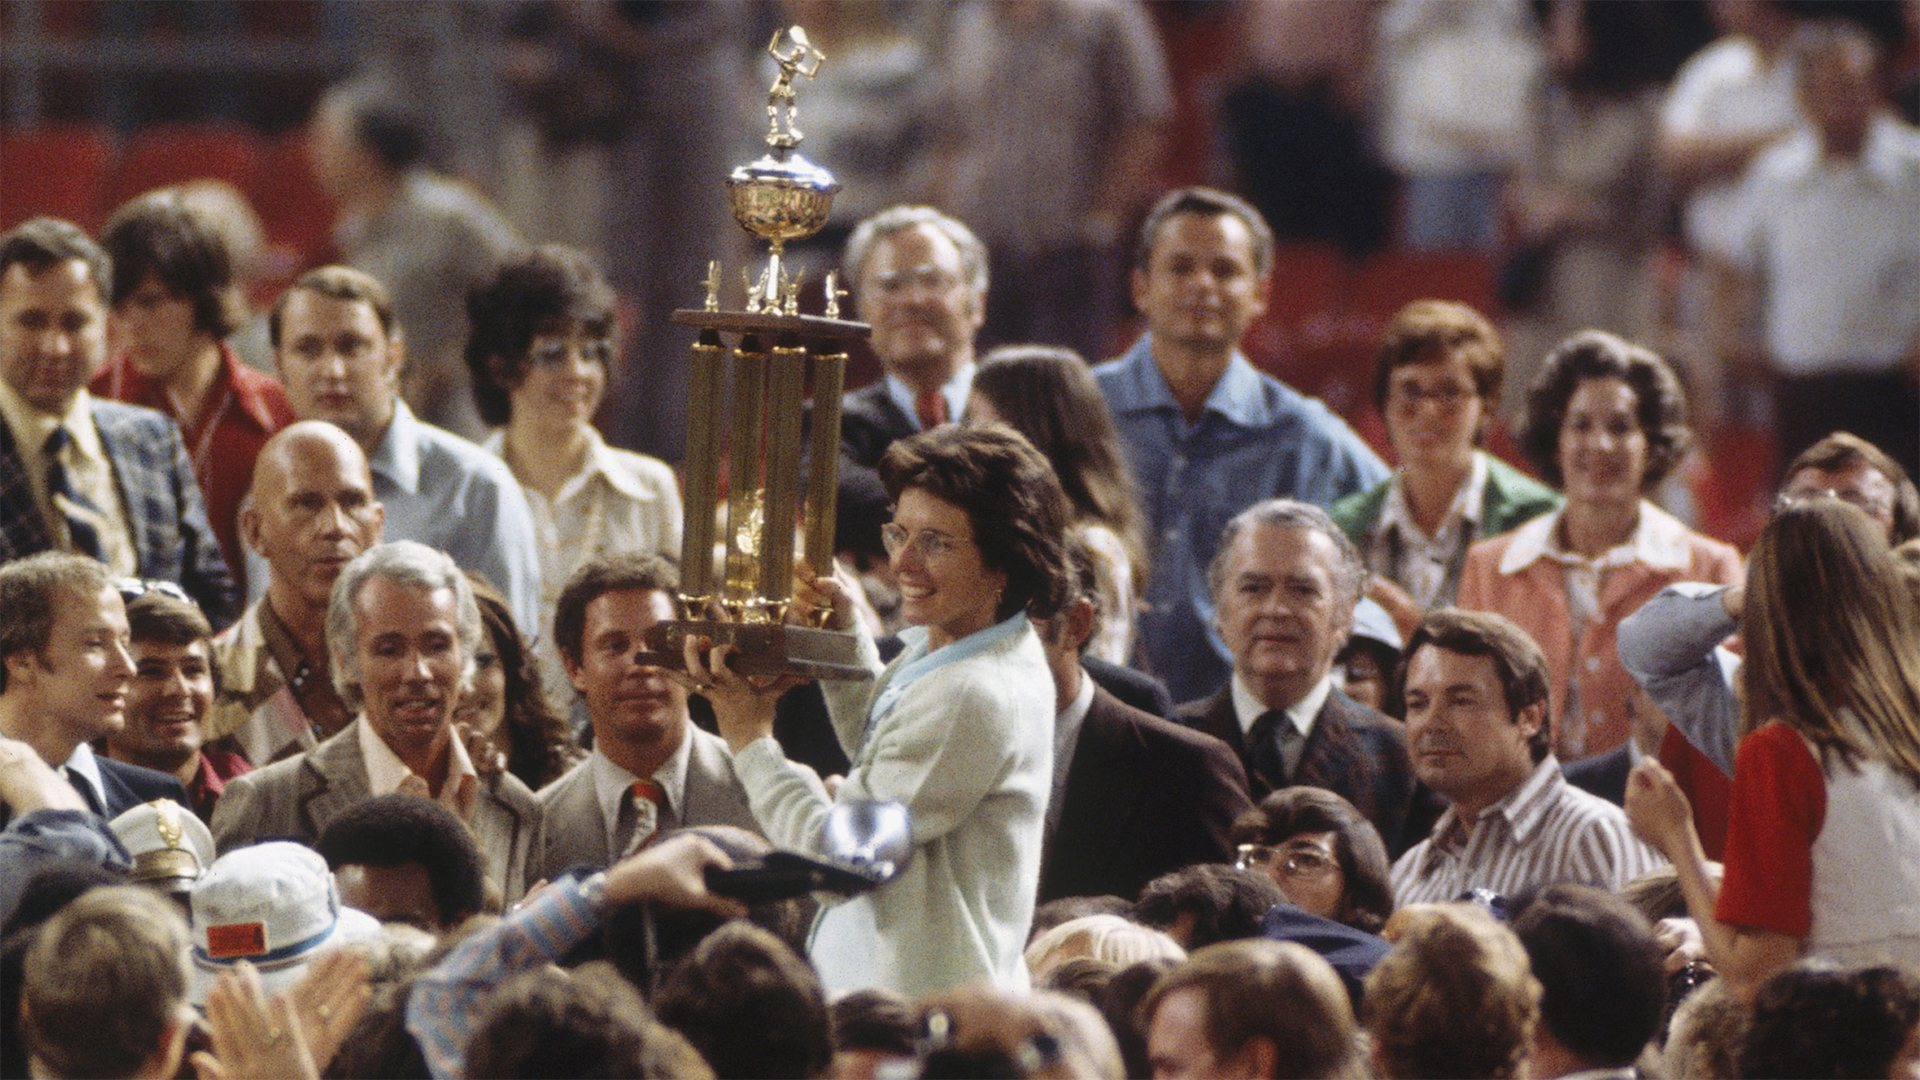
217	766
1779	805
244	408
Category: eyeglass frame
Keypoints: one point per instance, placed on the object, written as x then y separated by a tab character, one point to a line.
930	544
1250	856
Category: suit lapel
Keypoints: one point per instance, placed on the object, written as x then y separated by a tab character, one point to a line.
21	530
335	778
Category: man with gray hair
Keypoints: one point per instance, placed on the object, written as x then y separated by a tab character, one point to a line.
1284	586
402	633
920	278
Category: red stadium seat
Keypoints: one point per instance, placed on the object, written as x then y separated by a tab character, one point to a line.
297	214
55	169
175	153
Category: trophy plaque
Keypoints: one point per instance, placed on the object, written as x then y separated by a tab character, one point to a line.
753	366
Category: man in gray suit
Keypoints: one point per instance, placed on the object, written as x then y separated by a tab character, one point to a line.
651	770
402	632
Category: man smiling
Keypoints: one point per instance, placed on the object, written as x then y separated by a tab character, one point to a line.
63	639
651	770
403	628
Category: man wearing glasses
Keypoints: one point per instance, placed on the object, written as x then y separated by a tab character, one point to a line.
1671	646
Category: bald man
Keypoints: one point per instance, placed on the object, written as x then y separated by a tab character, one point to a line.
311	510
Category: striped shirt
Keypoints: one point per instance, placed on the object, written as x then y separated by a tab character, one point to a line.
1546	831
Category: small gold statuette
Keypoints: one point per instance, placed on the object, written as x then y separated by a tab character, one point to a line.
834	293
792	62
712	284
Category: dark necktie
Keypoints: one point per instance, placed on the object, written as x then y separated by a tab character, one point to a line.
79	512
1268	740
81	785
931	407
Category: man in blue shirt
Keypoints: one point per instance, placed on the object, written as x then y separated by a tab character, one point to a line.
340	353
1208	435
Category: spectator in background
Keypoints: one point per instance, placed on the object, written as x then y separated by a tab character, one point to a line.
63	629
107	480
172	689
1452	83
1051	190
402	628
428	237
1585	209
1454	997
1251	1009
175	301
1827	766
1824	236
1207	902
1606	421
1478	718
1814	1020
1437	383
1134	796
1323	854
1285	584
544	335
1205	433
106	988
749	1005
311	511
1603	990
1047	395
341	353
509	705
401	858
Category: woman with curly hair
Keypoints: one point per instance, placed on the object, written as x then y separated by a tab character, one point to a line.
1605	422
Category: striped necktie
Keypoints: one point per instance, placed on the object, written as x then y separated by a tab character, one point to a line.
81	515
639	816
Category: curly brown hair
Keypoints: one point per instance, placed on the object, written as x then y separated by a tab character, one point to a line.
1660	403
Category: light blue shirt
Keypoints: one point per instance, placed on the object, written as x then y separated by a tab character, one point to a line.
1256	439
955	390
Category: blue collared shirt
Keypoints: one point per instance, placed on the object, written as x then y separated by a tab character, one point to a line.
1256	439
447	493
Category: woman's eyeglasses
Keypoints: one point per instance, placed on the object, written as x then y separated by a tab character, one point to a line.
1297	862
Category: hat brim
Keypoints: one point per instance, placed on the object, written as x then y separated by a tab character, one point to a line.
352	925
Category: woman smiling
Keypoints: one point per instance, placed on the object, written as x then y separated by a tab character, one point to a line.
1606	420
959	727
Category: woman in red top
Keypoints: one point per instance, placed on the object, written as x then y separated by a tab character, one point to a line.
1823	845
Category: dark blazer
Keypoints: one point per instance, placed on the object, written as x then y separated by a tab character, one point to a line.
1354	751
869	423
1351	953
296	799
1135	688
1143	797
171	538
127	786
1604	775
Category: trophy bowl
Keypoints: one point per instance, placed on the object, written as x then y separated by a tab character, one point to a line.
780	200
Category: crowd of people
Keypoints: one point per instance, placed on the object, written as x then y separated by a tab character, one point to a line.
337	743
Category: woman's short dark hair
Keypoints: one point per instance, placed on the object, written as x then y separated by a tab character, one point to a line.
1660	405
1011	497
1291	811
541	291
1814	1019
161	234
1426	331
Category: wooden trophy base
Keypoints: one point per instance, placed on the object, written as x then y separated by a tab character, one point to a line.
764	648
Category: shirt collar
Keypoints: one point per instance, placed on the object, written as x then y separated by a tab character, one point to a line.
611	783
955	390
1659	540
1237	396
1247	707
398	456
602	462
1066	726
32	426
386	773
1395	513
83	763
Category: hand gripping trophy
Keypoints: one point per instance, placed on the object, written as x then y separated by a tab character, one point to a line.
759	383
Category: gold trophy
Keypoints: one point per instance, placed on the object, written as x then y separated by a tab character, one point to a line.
763	376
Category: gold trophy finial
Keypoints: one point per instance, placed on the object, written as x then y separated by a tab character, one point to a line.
712	283
792	62
834	293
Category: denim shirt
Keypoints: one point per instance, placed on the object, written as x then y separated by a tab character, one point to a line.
1256	439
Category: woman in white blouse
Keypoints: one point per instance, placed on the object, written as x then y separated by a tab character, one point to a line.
543	333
